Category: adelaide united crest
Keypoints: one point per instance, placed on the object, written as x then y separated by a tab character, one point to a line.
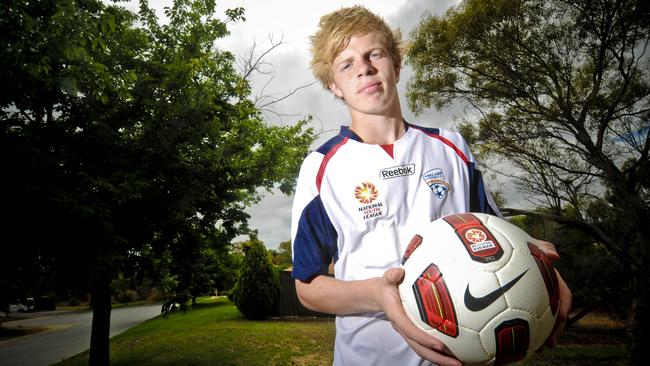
435	179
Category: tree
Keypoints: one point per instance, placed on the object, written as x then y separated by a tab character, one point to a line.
284	255
122	139
257	289
562	92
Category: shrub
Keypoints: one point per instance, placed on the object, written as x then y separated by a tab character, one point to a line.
257	289
127	296
45	302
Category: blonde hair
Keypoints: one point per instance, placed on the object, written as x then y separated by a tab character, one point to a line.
334	33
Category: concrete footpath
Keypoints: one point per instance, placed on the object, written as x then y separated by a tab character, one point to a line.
67	333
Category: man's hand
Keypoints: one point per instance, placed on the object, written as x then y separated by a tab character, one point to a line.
424	344
565	295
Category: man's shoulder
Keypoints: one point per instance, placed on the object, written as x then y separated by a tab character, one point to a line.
331	145
448	139
440	133
315	162
435	131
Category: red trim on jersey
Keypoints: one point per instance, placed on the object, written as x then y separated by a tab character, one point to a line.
451	144
326	159
388	148
446	141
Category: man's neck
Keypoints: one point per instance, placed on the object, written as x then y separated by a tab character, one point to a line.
380	130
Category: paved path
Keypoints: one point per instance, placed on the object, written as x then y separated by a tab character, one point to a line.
68	334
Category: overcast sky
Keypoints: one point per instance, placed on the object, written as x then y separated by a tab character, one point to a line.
294	21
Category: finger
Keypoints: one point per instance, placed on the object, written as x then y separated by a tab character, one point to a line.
548	248
437	357
425	345
394	275
411	332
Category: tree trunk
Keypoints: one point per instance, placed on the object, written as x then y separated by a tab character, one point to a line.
638	320
101	300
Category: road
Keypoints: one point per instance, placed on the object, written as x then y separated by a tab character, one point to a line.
68	334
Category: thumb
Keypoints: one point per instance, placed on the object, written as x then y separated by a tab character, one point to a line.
394	275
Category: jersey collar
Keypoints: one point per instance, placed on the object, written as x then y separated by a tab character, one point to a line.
347	132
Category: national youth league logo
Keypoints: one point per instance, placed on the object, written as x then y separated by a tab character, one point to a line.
366	193
435	179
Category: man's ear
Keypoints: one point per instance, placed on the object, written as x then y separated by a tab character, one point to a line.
335	90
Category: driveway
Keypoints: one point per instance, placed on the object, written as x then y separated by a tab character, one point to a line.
67	334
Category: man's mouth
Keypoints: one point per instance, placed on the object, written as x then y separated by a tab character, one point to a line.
370	87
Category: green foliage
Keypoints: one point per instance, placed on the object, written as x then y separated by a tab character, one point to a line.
282	257
125	140
127	146
257	290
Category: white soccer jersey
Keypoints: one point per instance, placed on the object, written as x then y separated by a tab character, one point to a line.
359	205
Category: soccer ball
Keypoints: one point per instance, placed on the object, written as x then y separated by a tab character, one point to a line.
480	285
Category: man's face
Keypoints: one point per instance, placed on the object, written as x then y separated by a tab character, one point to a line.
366	77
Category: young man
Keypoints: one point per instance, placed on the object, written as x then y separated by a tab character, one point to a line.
361	196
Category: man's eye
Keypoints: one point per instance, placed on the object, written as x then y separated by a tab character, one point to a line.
376	55
346	66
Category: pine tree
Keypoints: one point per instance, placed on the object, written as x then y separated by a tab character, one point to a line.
257	290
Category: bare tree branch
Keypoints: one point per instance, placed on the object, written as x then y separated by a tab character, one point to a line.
255	66
290	93
583	226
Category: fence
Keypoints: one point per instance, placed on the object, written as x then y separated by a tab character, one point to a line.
289	304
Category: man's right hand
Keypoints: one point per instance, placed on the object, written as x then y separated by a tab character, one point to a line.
424	344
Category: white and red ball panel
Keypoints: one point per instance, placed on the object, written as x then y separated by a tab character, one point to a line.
467	348
513	334
544	327
526	294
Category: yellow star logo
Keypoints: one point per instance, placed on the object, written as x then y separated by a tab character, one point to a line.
366	193
475	235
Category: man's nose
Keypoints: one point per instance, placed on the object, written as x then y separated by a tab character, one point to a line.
365	68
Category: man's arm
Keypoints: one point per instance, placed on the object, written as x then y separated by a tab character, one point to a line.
329	295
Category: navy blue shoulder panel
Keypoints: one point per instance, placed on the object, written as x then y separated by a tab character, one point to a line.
315	244
329	145
344	133
427	130
478	200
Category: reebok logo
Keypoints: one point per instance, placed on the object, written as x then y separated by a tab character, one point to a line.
479	303
397	171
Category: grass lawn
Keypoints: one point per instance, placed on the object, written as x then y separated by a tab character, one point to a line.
595	340
214	333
